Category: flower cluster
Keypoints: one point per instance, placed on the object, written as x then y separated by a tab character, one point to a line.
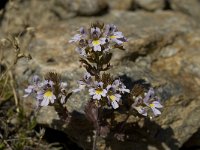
103	91
145	101
98	38
94	46
48	90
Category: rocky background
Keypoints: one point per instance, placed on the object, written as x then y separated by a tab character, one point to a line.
163	49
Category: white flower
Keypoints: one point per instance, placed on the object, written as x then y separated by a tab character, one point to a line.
154	105
137	105
114	35
118	85
33	87
86	82
114	99
48	97
96	44
152	101
141	110
29	90
78	37
97	92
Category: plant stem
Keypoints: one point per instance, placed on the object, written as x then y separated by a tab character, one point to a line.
14	90
97	77
96	132
124	122
95	140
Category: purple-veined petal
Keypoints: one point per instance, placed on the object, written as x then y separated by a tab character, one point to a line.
76	38
114	104
97	48
156	111
119	42
104	93
39	95
141	110
36	79
96	96
108	87
91	91
102	41
118	96
157	104
29	90
95	32
149	95
45	102
52	99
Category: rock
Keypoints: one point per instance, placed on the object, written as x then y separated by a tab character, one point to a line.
47	12
163	49
149	5
190	8
120	5
182	66
91	7
193	142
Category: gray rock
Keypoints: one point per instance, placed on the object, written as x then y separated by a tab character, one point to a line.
191	7
91	7
37	12
193	142
120	5
149	5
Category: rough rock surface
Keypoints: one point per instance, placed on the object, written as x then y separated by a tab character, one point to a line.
149	5
90	7
46	12
190	8
163	49
116	4
193	142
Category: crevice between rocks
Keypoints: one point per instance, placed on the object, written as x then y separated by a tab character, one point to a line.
3	4
167	5
2	9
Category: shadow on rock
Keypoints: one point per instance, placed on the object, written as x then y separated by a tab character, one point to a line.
129	133
79	129
134	136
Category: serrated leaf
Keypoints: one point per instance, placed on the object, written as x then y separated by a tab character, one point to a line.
105	59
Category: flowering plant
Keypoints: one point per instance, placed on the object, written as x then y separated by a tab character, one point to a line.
50	91
94	46
144	101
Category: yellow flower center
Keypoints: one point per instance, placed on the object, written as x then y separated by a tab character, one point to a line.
96	42
48	94
113	37
112	97
99	91
151	105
